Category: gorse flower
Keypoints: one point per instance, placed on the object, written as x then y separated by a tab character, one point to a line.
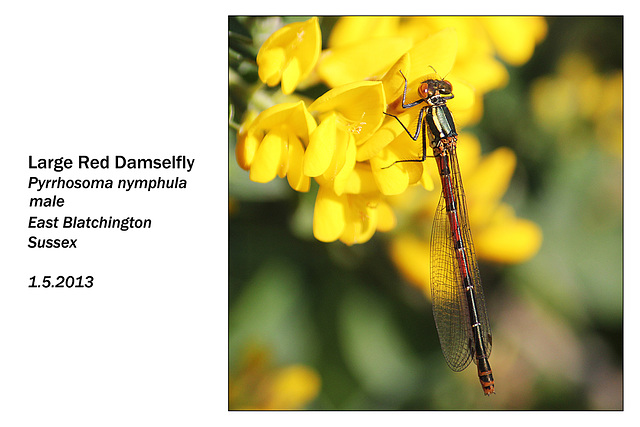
514	38
258	384
348	115
343	140
290	54
344	209
572	88
357	41
273	144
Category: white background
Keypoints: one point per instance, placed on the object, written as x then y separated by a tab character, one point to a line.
145	345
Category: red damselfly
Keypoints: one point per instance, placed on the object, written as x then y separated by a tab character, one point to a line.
458	301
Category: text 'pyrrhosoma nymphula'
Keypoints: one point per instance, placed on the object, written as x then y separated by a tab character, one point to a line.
458	301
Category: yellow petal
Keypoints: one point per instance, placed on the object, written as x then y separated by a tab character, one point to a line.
292	388
482	72
329	215
390	130
391	177
362	217
469	152
291	76
342	177
492	176
411	256
437	51
283	167
246	148
268	157
515	37
270	66
392	81
309	45
294	115
290	53
464	95
297	179
322	147
390	180
355	29
361	180
426	180
386	217
360	61
360	104
512	242
339	156
469	116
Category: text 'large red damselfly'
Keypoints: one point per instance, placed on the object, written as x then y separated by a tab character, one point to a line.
458	301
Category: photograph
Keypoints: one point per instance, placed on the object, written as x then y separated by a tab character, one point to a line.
425	213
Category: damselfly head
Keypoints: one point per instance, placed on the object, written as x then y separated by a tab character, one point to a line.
434	88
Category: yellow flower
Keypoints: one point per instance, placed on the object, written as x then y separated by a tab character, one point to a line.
290	54
350	30
609	124
411	256
292	387
259	385
346	204
480	38
274	143
515	37
343	140
498	235
352	218
350	114
572	89
365	60
363	47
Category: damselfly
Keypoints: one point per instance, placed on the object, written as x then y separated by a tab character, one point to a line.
458	302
